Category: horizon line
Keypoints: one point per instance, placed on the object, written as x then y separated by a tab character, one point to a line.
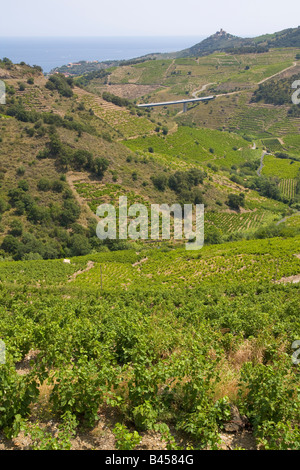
120	36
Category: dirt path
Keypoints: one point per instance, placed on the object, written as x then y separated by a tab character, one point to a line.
168	69
101	437
287	217
137	263
262	81
278	73
291	279
86	210
261	162
89	266
195	93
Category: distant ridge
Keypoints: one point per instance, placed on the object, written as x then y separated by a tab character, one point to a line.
223	41
218	41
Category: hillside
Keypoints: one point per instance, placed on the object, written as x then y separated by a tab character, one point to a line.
65	149
286	38
221	41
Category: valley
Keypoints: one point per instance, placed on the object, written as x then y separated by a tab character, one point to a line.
142	344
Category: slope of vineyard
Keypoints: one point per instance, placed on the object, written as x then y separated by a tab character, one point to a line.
245	222
131	336
120	119
282	168
288	187
194	146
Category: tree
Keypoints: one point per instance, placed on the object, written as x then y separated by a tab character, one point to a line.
23	184
57	186
198	196
44	184
82	159
160	181
70	212
79	245
16	228
62	84
55	146
100	166
38	213
51	250
3	206
32	256
213	235
184	180
10	244
235	201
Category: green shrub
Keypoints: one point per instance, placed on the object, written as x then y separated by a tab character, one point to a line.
125	440
17	392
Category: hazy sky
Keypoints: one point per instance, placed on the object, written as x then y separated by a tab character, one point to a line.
146	17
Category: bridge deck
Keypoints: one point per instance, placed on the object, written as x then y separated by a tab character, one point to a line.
167	103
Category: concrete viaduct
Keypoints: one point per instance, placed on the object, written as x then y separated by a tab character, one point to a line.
184	102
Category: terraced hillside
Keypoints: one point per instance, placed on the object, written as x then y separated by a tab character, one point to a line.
143	344
120	119
195	146
177	77
138	149
288	187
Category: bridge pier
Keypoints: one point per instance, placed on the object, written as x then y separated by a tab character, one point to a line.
184	107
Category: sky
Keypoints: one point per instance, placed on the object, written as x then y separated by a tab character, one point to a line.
146	17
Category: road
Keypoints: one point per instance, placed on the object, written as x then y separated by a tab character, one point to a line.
287	217
261	162
278	73
195	93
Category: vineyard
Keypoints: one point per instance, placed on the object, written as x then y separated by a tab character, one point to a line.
294	221
118	118
144	344
282	168
195	146
182	75
176	269
273	145
288	187
292	143
96	194
245	222
232	222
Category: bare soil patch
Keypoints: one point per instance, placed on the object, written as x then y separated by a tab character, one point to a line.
131	91
292	279
90	265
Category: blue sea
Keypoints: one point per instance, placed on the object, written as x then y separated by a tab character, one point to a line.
54	52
